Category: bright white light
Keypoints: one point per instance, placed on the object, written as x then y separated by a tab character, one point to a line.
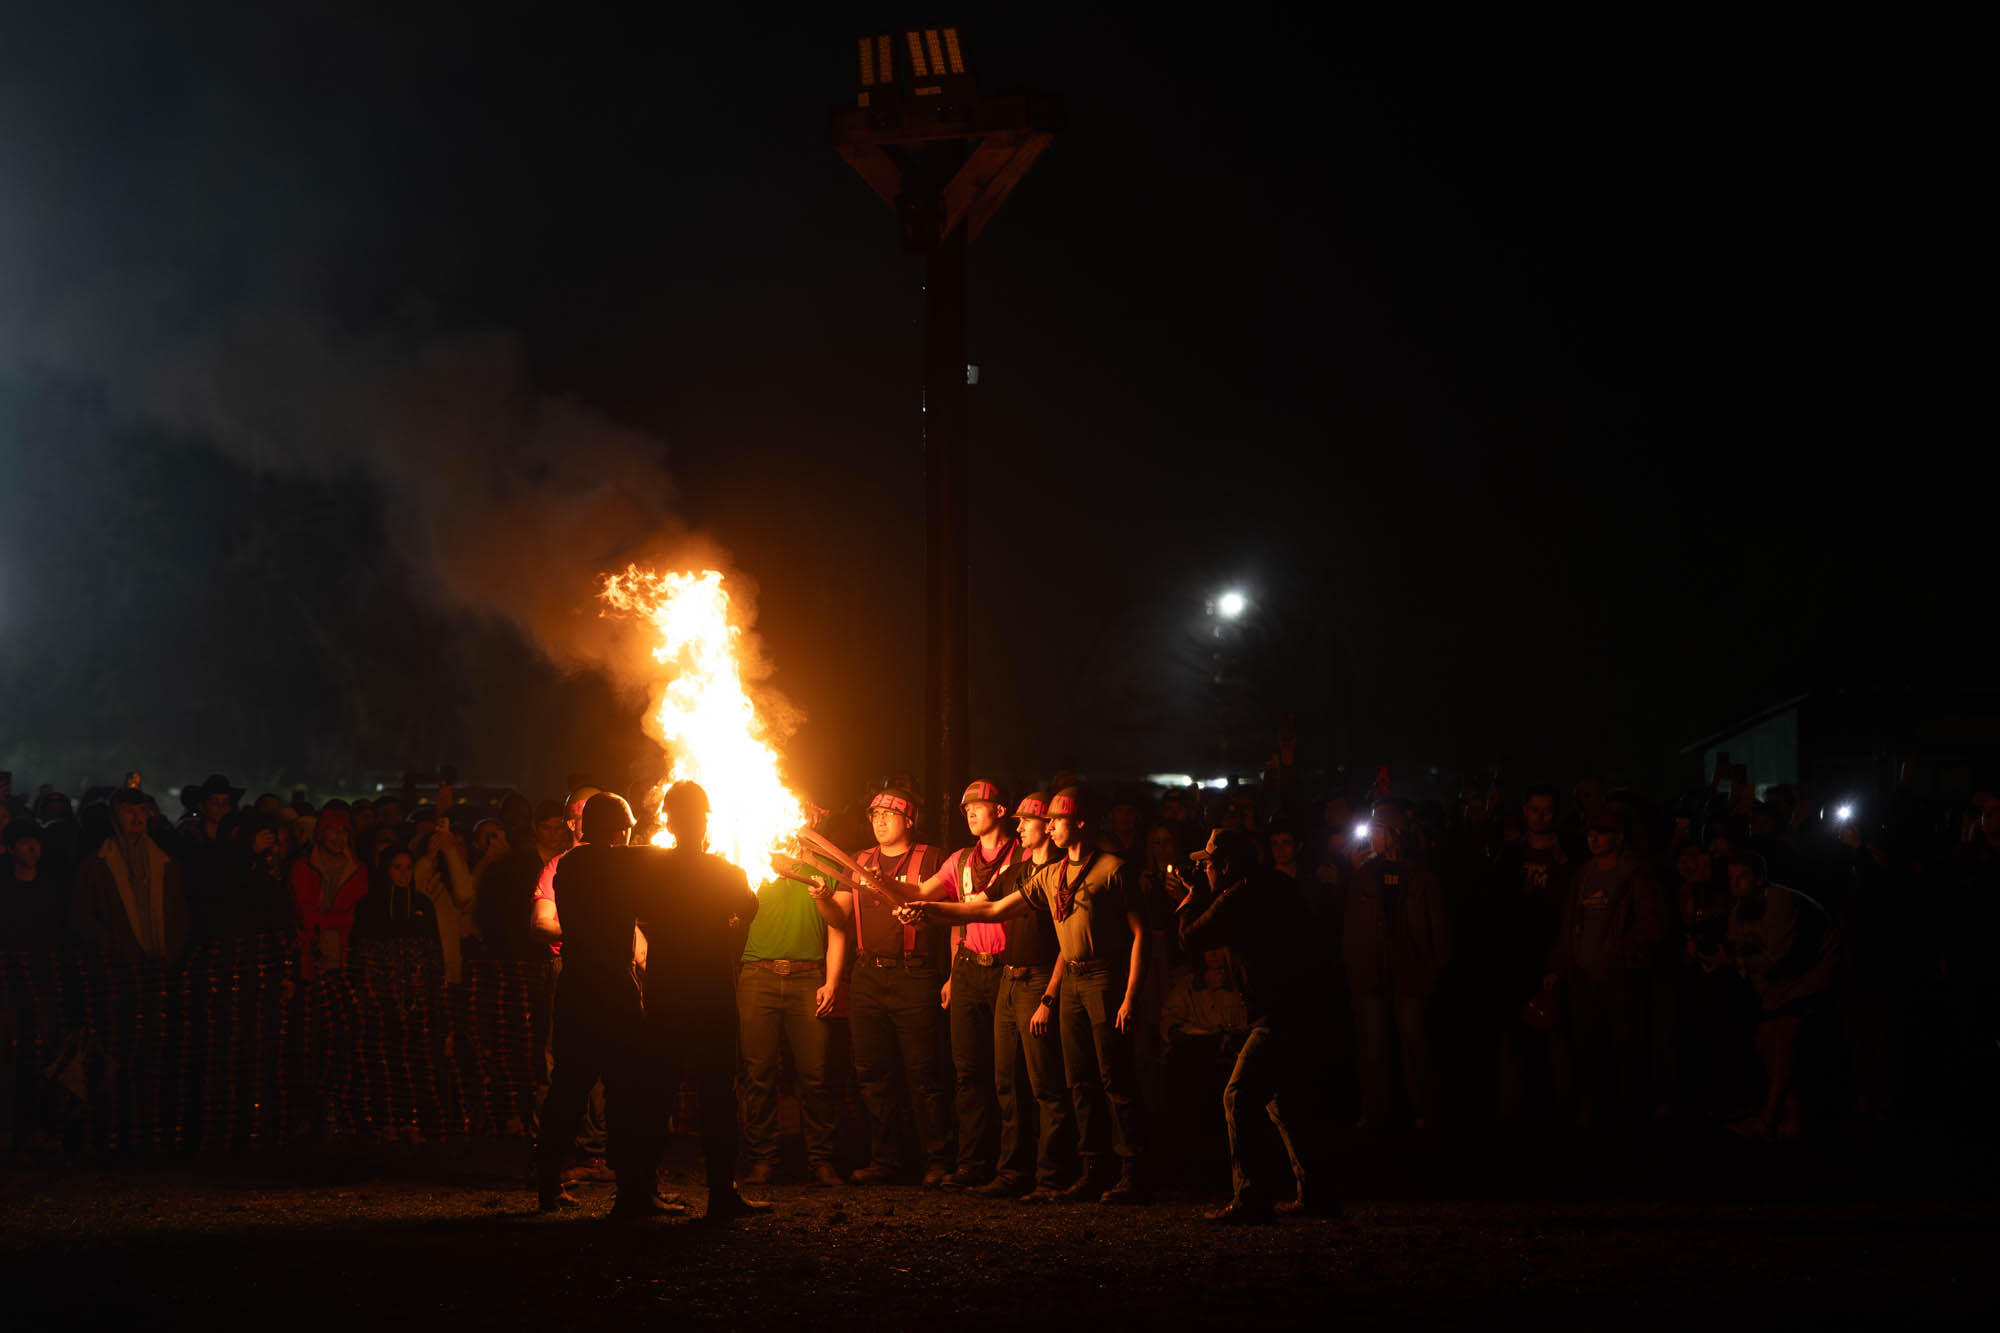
1845	813
1361	830
1231	604
1217	784
1170	780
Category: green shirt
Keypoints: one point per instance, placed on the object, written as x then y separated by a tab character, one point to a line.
1094	928
787	924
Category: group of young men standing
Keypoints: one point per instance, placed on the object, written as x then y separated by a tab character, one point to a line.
1031	944
1027	946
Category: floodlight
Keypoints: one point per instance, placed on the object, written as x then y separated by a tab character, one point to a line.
1231	604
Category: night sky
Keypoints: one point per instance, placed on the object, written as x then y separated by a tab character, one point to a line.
1552	390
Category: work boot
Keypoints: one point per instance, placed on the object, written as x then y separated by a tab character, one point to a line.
1308	1206
550	1196
1128	1189
822	1173
967	1178
760	1173
1003	1186
639	1207
872	1175
936	1177
591	1168
1238	1213
726	1205
1088	1185
1044	1194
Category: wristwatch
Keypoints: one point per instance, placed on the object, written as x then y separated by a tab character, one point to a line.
1049	999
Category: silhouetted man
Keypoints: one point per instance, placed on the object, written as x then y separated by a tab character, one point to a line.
598	1016
1261	916
696	910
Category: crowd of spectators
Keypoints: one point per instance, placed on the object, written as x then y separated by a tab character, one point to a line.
1579	959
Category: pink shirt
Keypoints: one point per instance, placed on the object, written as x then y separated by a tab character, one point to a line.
545	891
980	936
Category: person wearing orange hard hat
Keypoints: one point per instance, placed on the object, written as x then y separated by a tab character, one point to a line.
1093	898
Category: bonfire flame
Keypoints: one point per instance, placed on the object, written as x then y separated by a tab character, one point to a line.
714	732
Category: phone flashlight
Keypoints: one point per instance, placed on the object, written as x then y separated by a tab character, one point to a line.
1844	813
1361	830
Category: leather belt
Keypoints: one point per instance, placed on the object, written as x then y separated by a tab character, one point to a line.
889	959
1015	973
786	967
981	959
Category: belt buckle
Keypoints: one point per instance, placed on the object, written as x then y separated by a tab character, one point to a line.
782	966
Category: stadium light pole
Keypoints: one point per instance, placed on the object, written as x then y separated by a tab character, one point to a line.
944	158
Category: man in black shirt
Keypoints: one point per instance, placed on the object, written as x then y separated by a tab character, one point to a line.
597	1009
893	998
695	909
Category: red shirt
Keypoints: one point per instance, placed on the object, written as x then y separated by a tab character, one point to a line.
970	872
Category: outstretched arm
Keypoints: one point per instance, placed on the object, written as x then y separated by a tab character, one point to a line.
979	909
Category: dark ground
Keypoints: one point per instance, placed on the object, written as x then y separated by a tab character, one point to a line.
1687	1232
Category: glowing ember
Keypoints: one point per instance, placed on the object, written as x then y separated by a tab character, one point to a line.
711	727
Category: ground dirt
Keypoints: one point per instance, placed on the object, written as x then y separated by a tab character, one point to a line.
1437	1232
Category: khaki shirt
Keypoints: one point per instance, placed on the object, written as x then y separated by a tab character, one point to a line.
1094	929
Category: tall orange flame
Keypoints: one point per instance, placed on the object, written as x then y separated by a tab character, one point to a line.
714	731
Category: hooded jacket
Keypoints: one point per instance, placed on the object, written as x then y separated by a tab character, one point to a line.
315	917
